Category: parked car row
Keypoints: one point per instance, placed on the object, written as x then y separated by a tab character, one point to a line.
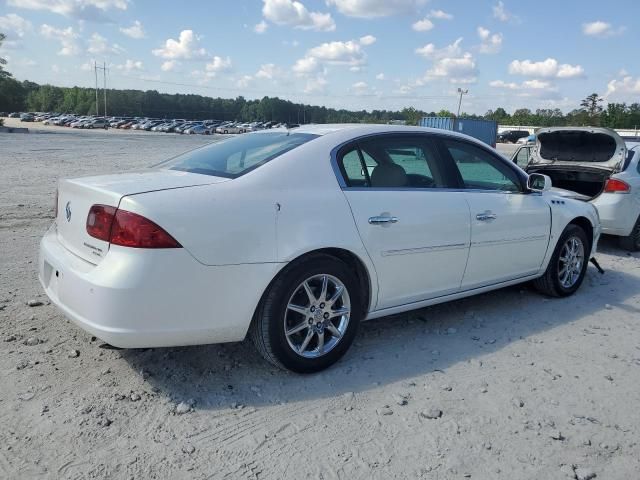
175	125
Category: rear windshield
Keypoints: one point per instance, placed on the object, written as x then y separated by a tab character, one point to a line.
236	156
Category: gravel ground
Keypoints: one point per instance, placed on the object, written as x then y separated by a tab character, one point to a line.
506	385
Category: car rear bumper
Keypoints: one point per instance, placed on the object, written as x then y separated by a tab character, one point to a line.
618	212
152	298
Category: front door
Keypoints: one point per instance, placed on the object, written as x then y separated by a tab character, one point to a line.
416	234
510	227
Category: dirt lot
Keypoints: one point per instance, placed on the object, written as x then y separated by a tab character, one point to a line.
507	385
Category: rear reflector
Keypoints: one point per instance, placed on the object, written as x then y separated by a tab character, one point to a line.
614	185
127	229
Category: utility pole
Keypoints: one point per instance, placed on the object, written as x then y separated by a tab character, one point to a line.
95	70
461	92
104	71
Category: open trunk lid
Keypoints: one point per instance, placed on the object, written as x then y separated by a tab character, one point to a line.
77	196
599	148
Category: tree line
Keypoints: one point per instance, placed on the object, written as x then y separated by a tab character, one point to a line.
29	96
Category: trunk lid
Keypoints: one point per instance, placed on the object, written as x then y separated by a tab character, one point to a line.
76	196
599	148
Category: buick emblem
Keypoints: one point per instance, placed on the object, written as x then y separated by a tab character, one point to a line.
67	210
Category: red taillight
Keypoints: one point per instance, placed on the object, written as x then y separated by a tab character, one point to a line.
614	185
99	221
127	229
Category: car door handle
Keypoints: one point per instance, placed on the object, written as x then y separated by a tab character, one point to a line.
381	219
485	216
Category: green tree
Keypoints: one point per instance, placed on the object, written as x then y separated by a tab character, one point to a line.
3	72
591	106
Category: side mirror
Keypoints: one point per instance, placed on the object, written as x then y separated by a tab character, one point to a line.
538	182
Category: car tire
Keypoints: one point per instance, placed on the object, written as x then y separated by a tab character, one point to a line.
566	270
632	241
318	338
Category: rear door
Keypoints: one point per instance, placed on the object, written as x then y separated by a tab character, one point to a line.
416	232
510	227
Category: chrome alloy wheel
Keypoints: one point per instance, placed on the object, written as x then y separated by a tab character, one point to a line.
317	316
570	262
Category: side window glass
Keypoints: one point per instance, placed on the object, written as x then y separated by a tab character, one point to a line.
355	176
480	170
522	157
402	161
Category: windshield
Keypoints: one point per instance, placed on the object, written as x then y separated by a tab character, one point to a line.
236	156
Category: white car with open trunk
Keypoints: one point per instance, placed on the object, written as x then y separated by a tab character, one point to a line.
295	236
595	165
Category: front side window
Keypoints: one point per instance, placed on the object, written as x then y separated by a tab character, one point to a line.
479	170
523	156
236	156
389	161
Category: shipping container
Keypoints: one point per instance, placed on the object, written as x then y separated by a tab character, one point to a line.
484	130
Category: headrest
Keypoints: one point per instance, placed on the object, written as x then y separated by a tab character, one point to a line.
388	175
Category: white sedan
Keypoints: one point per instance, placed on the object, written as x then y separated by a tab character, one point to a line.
295	237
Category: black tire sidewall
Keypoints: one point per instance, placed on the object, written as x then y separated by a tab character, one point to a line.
571	230
276	306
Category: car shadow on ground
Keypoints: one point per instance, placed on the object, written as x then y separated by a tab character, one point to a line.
386	350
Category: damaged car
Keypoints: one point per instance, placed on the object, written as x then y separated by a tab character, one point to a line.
595	165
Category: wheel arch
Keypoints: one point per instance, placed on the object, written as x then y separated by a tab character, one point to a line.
585	224
365	278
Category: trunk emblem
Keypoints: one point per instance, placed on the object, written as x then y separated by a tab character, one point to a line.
67	211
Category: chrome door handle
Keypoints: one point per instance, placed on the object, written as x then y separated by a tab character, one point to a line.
483	217
379	220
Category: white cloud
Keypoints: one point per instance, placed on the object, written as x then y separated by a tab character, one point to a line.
244	81
13	23
217	65
185	48
500	12
269	71
455	69
98	45
601	29
339	53
306	65
380	76
130	66
491	43
360	87
548	68
67	38
261	27
423	25
83	9
168	66
316	85
367	40
432	52
625	86
134	31
375	8
537	89
294	14
440	15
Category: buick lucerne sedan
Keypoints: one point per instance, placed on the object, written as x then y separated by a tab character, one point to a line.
296	236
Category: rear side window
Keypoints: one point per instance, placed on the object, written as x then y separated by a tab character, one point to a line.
236	156
390	161
479	170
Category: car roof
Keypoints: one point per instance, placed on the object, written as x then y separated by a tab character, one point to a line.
357	129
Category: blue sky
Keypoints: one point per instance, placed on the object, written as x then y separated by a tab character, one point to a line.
357	54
